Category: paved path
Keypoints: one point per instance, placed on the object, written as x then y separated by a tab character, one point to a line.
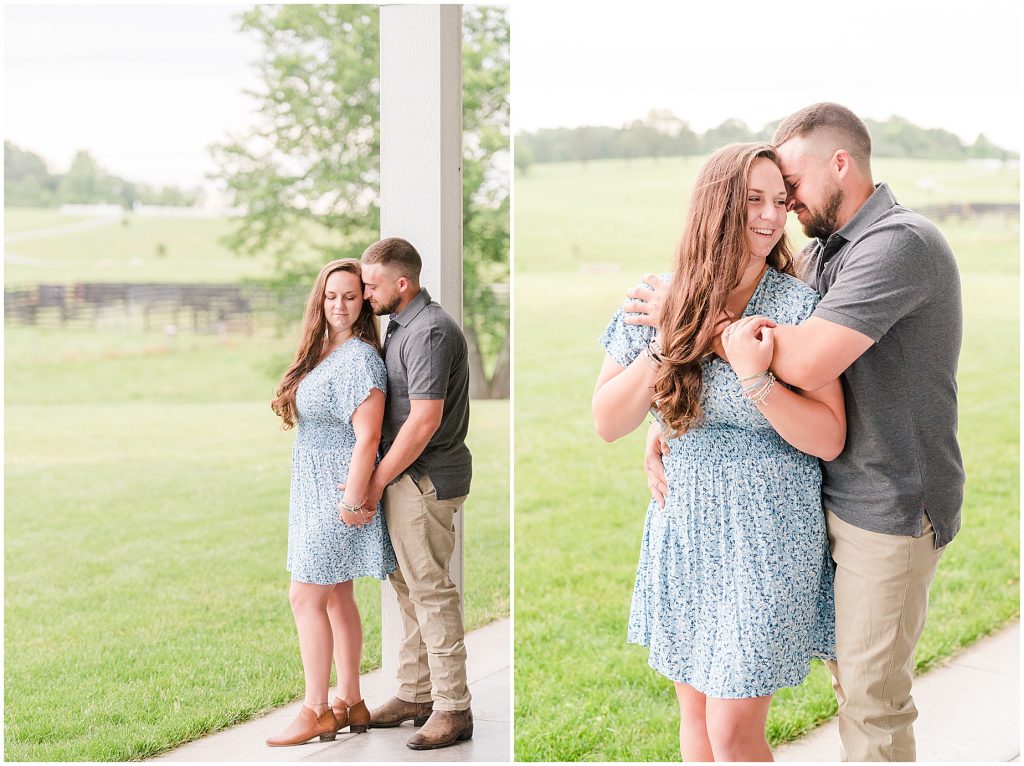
489	681
969	709
56	231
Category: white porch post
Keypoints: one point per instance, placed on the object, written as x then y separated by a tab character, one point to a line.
421	183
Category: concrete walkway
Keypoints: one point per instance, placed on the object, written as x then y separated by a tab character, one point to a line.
488	650
969	709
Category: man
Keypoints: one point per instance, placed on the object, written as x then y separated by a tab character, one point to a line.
424	477
890	323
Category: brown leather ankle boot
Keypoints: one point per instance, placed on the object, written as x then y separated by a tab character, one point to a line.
356	717
340	709
359	717
307	724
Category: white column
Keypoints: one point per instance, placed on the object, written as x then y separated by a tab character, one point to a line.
421	182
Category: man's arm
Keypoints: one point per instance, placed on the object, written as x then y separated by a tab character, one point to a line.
413	437
814	353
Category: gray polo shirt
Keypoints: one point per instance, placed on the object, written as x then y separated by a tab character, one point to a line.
889	274
425	353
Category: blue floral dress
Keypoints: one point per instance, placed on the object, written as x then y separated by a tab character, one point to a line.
321	548
734	591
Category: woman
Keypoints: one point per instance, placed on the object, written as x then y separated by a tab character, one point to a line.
734	587
334	389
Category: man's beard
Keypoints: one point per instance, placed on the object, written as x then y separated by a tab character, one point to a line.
822	223
382	309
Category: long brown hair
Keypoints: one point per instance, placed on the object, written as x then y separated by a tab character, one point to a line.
313	338
709	263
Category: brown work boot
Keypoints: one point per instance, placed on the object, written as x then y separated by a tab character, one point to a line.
307	724
396	711
443	728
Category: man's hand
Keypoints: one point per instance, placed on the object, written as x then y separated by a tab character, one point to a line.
373	494
643	304
654	466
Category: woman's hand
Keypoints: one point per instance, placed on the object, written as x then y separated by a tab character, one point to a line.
357	518
749	344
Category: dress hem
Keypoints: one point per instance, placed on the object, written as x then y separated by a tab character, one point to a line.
708	691
331	581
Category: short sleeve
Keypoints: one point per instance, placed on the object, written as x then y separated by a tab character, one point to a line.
885	277
623	341
429	361
803	304
359	374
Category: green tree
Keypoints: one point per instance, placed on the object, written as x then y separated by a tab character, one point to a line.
308	175
730	131
27	180
485	196
85	182
524	156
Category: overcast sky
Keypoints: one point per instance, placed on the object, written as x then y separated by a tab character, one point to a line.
953	65
146	88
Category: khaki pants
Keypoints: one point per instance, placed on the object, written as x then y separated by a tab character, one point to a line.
882	584
432	660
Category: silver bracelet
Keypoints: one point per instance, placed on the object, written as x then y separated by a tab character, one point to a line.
350	508
752	377
759	396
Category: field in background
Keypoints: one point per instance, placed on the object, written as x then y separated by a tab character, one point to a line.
618	214
584	234
146	495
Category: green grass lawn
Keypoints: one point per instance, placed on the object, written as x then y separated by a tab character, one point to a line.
132	249
146	501
583	236
19	219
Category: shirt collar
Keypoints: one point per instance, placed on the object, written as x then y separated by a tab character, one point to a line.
880	200
416	305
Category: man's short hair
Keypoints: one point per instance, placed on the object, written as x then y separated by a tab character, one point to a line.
395	252
835	118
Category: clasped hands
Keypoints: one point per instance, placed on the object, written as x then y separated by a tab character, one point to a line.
367	508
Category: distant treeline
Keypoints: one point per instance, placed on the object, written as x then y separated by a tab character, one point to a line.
29	183
662	134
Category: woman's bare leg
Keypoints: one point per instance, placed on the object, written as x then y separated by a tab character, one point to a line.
309	607
347	629
694	744
736	728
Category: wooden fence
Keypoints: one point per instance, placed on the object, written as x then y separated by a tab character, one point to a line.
167	308
969	210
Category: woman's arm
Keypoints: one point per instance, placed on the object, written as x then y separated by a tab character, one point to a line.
622	396
812	421
366	422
